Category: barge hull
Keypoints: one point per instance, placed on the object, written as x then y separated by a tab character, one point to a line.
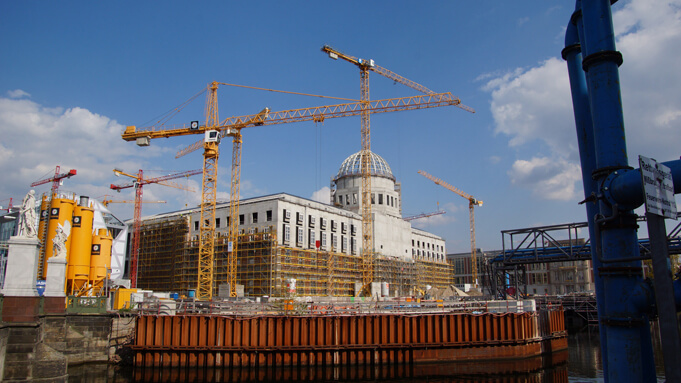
232	341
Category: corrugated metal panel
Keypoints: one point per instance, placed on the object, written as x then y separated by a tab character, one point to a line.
207	341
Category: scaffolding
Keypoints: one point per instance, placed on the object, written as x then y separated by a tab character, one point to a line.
165	262
168	262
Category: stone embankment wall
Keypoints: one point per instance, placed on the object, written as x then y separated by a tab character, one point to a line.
43	350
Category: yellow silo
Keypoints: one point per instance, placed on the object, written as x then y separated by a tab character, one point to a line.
100	259
78	266
61	211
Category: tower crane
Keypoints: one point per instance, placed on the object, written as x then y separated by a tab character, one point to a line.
106	202
365	66
472	202
138	182
214	131
9	206
56	179
425	215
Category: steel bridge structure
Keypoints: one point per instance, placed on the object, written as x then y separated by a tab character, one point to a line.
521	247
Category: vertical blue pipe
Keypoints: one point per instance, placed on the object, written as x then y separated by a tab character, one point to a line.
628	348
572	54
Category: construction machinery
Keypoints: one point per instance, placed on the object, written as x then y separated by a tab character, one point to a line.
138	182
9	204
106	202
365	66
214	131
45	207
56	179
472	203
425	215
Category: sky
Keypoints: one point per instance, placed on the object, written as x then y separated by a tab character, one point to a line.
74	74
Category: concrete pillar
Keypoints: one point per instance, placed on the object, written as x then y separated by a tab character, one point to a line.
22	267
56	277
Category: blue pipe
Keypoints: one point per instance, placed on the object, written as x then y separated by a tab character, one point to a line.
572	54
626	189
628	346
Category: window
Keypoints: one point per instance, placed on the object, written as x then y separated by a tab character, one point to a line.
353	229
287	215
269	216
344	244
242	219
310	221
322	223
196	225
380	198
255	217
373	198
334	225
334	242
287	234
353	246
299	218
344	228
299	242
347	199
217	222
340	199
311	240
354	198
323	236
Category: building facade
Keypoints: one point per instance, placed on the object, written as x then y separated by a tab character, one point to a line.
284	237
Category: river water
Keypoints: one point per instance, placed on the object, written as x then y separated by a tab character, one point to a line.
580	363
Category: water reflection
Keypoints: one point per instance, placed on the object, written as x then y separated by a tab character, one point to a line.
580	363
540	369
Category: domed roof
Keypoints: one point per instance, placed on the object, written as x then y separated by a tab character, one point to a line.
352	166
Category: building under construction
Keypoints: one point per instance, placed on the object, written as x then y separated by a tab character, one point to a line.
291	244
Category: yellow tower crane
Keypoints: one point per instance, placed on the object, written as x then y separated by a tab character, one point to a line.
213	131
368	252
472	202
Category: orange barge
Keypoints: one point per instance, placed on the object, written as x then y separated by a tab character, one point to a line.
363	339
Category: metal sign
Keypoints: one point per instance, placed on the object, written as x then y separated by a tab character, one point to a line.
658	188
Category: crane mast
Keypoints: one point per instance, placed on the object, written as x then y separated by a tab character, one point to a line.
472	202
368	252
209	197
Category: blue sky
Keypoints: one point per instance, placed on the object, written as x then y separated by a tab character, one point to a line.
73	74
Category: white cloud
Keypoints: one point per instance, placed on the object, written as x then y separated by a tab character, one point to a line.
533	107
17	93
452	210
547	177
322	195
36	139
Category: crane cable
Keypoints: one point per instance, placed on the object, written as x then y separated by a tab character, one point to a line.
288	92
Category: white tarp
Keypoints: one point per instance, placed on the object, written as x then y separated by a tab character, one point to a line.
117	246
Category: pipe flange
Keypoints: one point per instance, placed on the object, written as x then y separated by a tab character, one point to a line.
606	184
566	51
597	57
